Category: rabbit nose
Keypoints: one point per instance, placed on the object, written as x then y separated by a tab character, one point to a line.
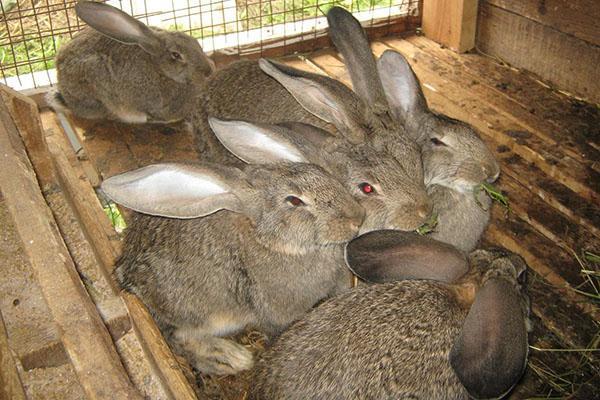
424	209
357	218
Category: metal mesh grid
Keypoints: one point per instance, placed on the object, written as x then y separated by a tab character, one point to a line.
31	31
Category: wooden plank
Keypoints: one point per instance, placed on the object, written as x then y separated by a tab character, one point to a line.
563	60
107	246
578	18
86	339
38	95
451	23
10	382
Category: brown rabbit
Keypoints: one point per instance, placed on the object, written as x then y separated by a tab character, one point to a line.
216	249
407	339
118	68
455	159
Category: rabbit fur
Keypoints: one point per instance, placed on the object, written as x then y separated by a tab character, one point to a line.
120	69
411	339
455	159
356	155
216	249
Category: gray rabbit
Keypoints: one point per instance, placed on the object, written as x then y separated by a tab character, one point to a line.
407	339
118	68
390	188
455	159
216	248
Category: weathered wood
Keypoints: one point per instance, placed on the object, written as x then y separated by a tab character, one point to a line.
86	339
10	382
451	23
160	352
38	95
559	58
107	246
575	17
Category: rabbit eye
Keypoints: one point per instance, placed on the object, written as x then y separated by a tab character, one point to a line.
366	188
437	142
295	201
176	56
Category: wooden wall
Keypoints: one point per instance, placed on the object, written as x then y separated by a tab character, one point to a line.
559	40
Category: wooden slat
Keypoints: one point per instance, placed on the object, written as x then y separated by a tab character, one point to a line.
564	60
578	18
10	382
102	237
451	23
85	338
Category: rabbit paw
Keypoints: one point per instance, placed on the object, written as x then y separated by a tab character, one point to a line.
220	356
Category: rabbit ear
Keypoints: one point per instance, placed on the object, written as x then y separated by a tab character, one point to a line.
176	190
401	86
350	39
388	256
118	25
317	98
257	143
490	353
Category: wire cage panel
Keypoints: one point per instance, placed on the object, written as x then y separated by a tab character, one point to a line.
32	31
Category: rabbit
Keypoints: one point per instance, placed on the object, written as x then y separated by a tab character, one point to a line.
120	69
390	189
455	159
213	249
407	339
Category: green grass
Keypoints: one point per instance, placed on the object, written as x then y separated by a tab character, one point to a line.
428	226
494	193
115	217
41	52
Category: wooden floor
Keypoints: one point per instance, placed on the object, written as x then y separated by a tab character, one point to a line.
549	148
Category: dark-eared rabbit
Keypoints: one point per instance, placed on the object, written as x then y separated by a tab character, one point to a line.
118	68
390	188
215	249
408	339
455	159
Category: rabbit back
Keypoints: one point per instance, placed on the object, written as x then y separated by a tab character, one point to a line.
363	340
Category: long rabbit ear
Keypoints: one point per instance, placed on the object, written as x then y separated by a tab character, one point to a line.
176	190
350	39
490	353
388	256
118	25
318	98
258	143
402	87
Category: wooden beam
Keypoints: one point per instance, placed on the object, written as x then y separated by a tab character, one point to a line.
451	23
85	338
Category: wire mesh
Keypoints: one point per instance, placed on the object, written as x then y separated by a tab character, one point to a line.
31	31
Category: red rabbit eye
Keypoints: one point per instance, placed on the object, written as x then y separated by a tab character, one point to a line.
295	201
437	142
366	188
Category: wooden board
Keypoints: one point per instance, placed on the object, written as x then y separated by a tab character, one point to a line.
578	18
83	334
563	60
451	23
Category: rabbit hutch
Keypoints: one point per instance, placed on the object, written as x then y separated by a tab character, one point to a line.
523	73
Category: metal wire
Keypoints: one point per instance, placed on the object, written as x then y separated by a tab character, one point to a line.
32	31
